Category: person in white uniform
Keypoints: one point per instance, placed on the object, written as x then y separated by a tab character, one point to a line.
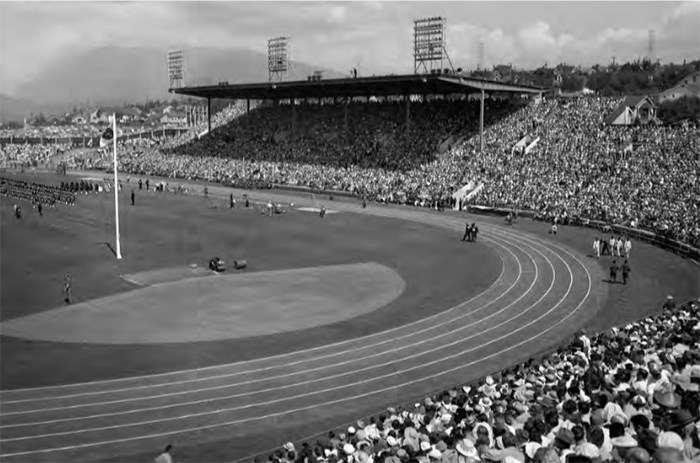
628	247
596	247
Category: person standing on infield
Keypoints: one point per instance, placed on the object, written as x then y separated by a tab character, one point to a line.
467	232
67	288
613	271
611	243
603	246
625	272
596	248
133	197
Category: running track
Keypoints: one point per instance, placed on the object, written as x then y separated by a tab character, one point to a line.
543	293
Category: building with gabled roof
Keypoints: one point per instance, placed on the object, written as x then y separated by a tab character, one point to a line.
634	110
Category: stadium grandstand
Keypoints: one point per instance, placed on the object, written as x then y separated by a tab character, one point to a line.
460	142
442	140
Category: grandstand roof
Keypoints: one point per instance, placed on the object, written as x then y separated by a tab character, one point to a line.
413	84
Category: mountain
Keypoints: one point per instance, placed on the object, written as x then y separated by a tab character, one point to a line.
115	75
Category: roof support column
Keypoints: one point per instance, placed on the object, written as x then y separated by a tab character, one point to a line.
294	117
247	105
481	122
208	115
408	114
346	135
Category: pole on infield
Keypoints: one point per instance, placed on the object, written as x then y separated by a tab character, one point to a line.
116	188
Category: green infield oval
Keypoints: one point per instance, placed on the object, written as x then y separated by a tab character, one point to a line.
218	307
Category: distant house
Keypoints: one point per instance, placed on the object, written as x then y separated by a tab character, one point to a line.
79	119
565	69
175	118
102	115
558	77
131	114
634	110
54	119
502	73
688	87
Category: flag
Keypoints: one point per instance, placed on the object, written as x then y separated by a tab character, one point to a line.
106	138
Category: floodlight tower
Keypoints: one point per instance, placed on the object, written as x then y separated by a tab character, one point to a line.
277	59
176	68
429	47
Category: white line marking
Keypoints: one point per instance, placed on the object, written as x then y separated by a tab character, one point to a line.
131	280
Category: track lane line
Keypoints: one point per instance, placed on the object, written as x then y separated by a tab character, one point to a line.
344	374
515	257
286	386
361	395
211	367
366	346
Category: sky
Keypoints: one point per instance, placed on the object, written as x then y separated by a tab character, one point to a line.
375	37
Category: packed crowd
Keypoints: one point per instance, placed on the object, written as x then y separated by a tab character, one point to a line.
292	162
578	167
137	147
36	193
29	155
628	395
368	138
219	119
71	130
52	132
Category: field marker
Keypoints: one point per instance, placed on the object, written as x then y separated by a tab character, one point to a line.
131	280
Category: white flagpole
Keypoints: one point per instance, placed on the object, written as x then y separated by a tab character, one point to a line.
116	187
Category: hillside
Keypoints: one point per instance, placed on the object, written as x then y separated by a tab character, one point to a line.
114	75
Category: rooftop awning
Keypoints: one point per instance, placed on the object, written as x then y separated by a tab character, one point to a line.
431	84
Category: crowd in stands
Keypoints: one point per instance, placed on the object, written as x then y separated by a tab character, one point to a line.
628	395
577	168
29	155
36	193
375	138
73	131
219	119
51	132
293	162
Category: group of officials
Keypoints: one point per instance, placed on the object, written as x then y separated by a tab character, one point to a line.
470	232
615	247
